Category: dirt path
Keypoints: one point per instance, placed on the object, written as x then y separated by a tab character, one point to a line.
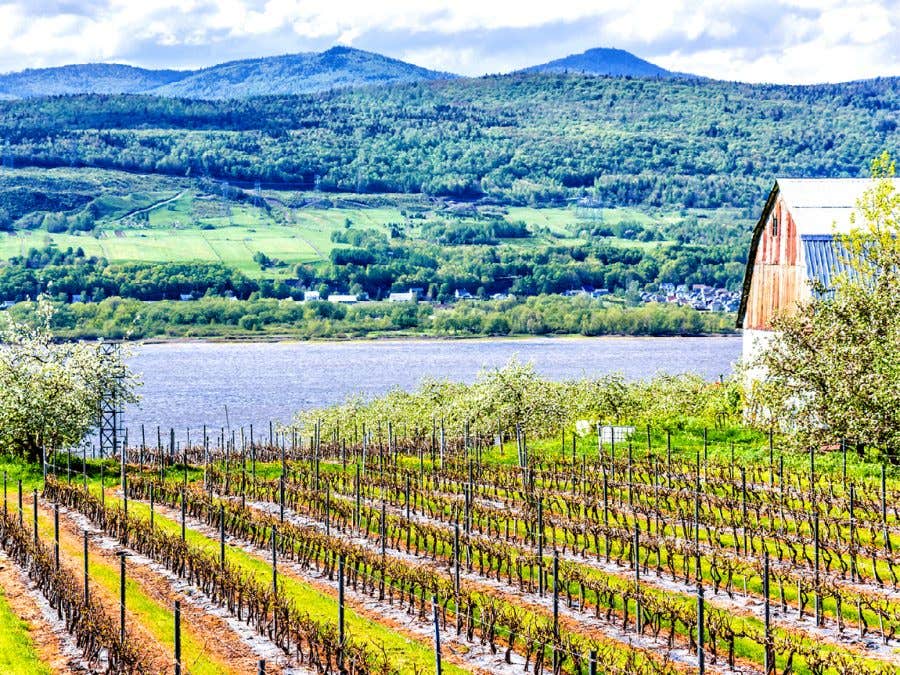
150	208
53	644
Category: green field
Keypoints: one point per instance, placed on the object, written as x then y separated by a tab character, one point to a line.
188	225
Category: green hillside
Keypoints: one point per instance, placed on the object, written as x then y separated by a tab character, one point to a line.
520	139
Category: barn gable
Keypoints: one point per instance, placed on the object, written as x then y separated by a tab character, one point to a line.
793	244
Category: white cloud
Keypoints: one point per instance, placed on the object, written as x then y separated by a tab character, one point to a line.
780	40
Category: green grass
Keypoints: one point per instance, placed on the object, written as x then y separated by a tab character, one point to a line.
17	654
199	227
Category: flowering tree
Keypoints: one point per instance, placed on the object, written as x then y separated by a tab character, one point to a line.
50	392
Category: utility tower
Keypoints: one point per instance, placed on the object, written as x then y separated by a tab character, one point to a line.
111	429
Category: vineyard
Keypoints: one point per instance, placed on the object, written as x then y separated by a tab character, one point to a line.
411	549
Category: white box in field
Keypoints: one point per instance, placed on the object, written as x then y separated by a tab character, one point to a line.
608	434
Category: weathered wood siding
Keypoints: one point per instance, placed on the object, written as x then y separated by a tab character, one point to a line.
776	282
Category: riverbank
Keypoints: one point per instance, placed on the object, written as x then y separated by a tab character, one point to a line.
265	319
288	338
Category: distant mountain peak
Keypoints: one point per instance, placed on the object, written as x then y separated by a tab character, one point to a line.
605	61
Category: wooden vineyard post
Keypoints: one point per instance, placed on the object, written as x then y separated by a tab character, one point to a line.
407	496
555	595
87	592
35	495
222	535
437	635
701	663
122	597
540	546
281	498
769	656
630	480
357	515
151	506
382	527
844	460
743	505
456	561
887	538
668	458
327	508
340	613
177	638
56	534
818	596
274	561
442	446
638	624
852	534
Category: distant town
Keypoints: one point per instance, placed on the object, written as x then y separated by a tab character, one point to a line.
697	296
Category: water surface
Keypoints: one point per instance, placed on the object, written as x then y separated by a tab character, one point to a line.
189	384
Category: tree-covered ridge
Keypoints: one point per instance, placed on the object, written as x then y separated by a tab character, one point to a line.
95	78
535	139
286	74
335	68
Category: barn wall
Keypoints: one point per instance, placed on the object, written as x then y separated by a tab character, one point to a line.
775	284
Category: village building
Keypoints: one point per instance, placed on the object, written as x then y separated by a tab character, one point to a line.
793	245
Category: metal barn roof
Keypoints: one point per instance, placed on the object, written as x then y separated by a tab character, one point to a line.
825	258
823	205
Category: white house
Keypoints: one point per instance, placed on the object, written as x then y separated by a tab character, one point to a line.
407	296
344	299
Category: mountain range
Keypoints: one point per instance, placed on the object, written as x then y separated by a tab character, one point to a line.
335	68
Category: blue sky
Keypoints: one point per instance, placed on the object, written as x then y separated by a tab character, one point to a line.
796	41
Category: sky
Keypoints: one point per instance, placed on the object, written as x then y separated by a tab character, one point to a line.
785	41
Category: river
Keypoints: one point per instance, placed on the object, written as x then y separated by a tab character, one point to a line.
189	384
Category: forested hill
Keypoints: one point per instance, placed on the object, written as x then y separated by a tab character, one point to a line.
524	138
91	78
335	68
604	61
